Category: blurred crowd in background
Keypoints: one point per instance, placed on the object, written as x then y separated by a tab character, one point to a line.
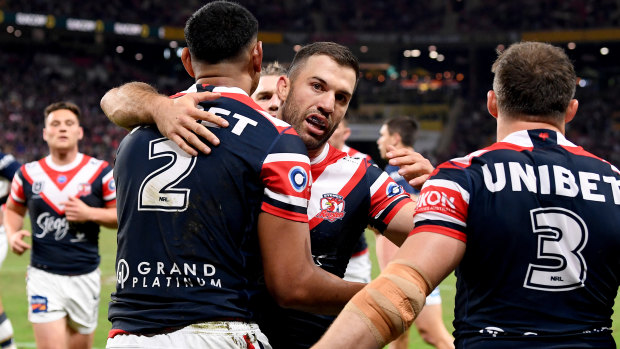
32	77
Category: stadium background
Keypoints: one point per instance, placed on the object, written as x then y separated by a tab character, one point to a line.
428	59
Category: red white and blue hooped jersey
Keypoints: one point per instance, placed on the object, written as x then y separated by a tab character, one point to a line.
362	246
58	246
188	248
540	218
347	194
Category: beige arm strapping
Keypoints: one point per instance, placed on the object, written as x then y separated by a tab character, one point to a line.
390	303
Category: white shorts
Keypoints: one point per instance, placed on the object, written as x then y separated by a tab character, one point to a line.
434	297
52	297
205	335
4	244
359	268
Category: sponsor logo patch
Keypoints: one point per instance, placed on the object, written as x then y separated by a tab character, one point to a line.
298	178
61	179
332	207
38	304
393	189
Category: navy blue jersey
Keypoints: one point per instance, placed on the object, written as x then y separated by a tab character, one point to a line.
8	167
347	194
540	218
58	246
188	248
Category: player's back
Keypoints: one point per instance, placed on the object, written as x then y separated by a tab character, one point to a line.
542	240
187	245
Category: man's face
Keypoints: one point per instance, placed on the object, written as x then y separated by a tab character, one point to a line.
265	94
62	130
384	140
320	92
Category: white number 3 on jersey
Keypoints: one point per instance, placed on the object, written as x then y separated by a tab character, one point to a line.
562	235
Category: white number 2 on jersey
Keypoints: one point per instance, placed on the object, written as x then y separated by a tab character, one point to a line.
562	235
158	191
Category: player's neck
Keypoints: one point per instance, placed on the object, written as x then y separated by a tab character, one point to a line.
63	156
228	75
315	153
505	127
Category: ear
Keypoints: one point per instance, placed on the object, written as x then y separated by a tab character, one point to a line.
396	139
283	87
81	133
44	134
492	103
571	110
257	57
347	134
186	58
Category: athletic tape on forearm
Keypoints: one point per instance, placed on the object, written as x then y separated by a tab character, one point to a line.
390	303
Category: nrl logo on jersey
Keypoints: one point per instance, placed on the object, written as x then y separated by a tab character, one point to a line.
332	207
37	187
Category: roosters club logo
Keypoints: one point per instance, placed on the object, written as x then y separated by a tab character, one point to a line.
332	207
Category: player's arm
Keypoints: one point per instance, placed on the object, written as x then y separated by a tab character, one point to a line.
291	276
389	304
137	103
414	167
78	211
401	225
13	222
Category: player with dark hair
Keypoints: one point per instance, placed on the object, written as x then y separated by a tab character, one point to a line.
348	193
8	167
400	133
215	222
539	217
265	94
67	195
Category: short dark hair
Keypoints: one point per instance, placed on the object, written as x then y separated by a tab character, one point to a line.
406	127
534	80
273	69
219	31
340	54
63	105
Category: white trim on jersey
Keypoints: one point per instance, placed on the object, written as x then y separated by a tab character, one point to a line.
108	176
378	183
290	200
436	216
52	192
286	157
225	89
466	160
20	184
442	183
321	156
331	181
63	168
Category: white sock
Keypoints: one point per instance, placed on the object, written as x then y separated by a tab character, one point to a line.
6	333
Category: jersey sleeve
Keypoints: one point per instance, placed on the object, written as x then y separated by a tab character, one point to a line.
286	176
108	187
443	203
8	166
17	195
386	198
